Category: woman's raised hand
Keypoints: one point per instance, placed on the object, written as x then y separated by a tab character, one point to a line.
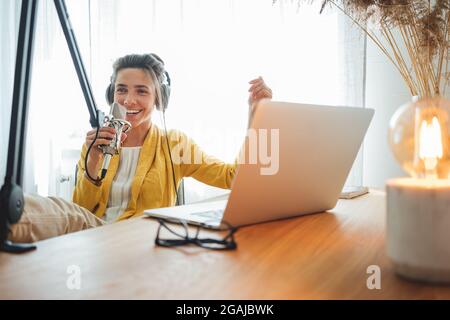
258	90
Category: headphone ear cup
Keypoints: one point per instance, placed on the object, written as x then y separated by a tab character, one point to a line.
165	94
109	94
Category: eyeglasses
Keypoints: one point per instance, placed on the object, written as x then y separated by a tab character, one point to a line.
225	243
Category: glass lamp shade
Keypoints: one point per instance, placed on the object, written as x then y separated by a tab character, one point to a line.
419	137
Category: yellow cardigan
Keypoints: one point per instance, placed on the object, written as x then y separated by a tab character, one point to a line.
152	185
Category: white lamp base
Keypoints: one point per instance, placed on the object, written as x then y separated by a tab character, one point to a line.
418	228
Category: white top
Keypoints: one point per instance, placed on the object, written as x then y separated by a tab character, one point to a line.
119	194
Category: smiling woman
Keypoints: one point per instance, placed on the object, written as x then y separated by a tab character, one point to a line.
215	48
144	175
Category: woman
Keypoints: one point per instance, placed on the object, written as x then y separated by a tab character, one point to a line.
149	168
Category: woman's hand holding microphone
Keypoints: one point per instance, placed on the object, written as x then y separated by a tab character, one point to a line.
105	135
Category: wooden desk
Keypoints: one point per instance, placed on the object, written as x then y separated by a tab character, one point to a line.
319	256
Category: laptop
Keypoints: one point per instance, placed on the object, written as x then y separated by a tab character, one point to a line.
300	163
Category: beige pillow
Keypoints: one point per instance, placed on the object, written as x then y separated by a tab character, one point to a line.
47	217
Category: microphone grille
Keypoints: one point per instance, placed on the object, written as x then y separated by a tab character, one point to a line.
118	111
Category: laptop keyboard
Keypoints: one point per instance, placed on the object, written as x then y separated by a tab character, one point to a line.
210	214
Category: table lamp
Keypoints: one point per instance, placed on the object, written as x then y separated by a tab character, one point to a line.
418	207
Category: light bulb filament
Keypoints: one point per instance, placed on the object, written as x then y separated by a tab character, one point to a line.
430	146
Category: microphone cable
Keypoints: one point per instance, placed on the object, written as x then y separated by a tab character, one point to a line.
96	180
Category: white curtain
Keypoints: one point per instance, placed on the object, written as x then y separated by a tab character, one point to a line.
211	50
352	78
9	28
58	116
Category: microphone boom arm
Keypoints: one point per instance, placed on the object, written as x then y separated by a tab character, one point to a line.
11	193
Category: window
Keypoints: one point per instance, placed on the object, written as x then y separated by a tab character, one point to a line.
211	50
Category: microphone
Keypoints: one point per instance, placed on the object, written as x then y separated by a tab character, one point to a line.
116	120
